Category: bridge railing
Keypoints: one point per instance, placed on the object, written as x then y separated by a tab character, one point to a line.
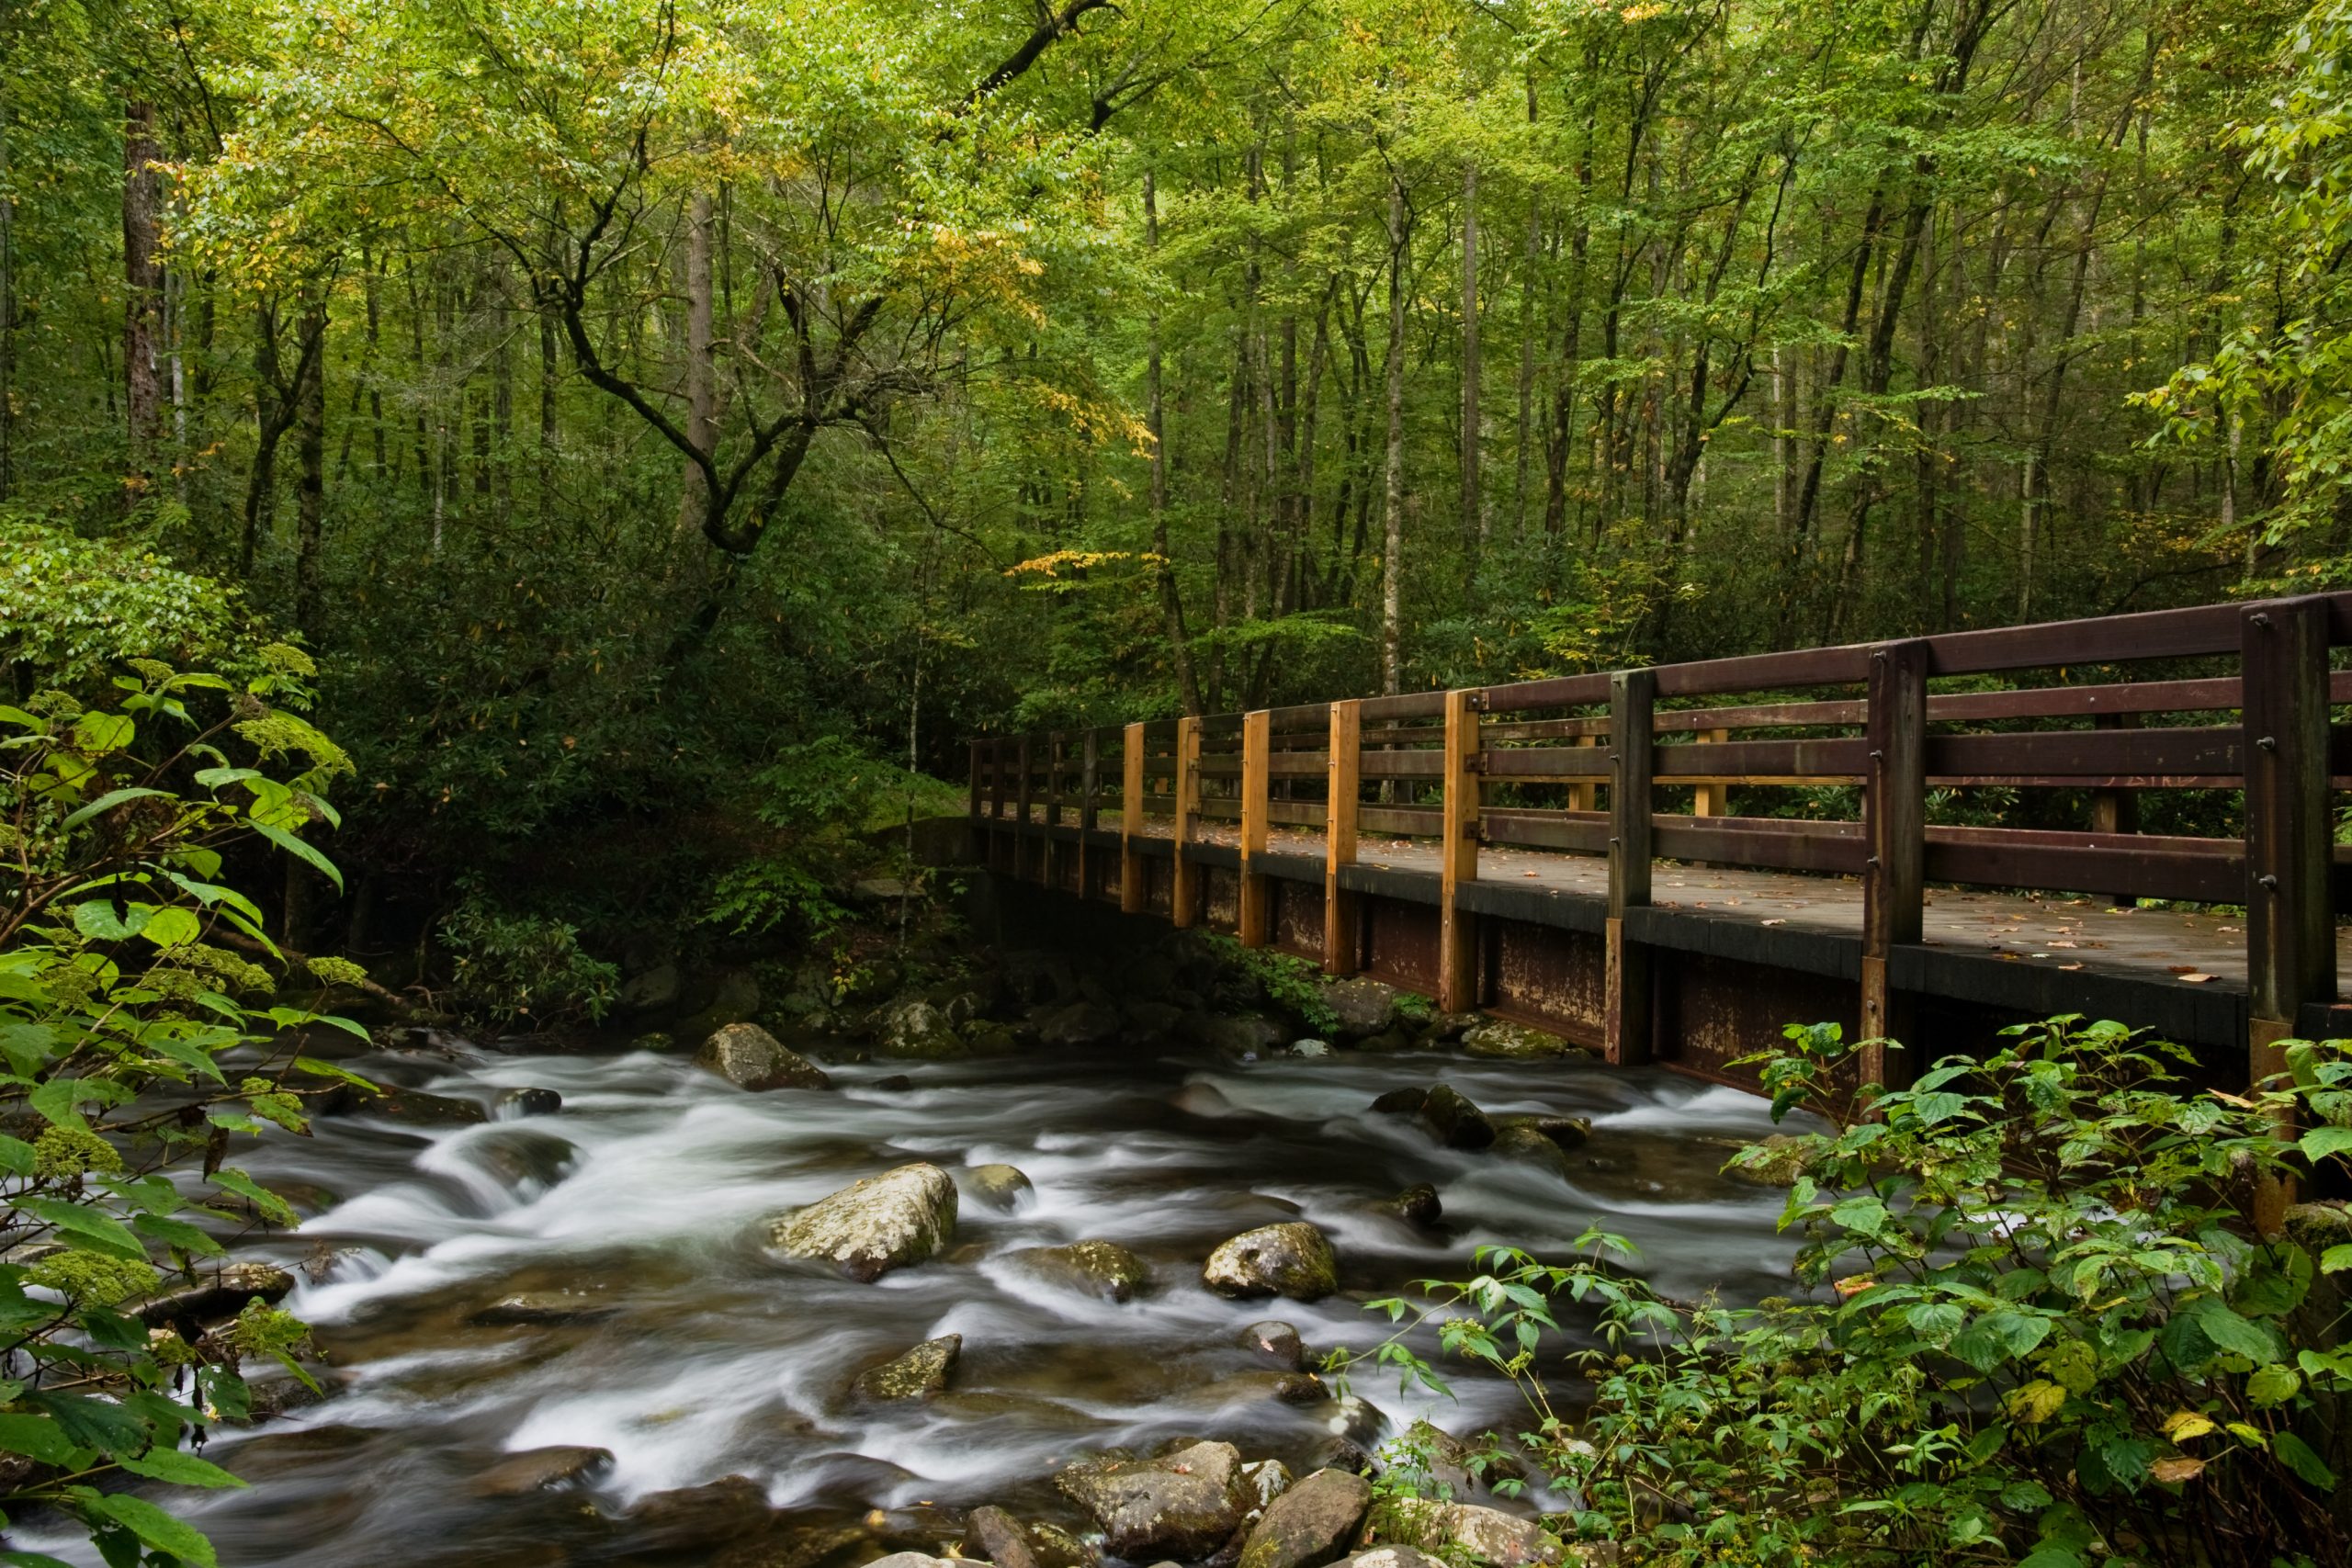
1552	764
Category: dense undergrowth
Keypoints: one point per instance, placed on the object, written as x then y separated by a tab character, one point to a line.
2033	1322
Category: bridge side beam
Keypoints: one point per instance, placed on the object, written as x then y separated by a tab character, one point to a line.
1342	800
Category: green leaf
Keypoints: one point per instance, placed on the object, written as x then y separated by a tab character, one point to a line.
179	1469
177	1232
1999	1336
36	1436
2273	1385
2321	1142
96	920
2302	1462
2336	1259
155	1528
109	800
268	1204
16	1155
304	853
172	927
85	1226
2228	1331
96	1424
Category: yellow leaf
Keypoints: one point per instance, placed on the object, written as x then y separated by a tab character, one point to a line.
2175	1471
2036	1402
2182	1425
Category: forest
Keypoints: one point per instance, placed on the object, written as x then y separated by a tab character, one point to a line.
511	514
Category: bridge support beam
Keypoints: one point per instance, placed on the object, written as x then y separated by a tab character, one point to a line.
1627	1027
1131	889
2290	908
1342	799
1184	906
1021	849
1254	923
1894	825
1457	937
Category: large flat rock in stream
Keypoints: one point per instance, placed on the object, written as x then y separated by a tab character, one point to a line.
1183	1505
870	1227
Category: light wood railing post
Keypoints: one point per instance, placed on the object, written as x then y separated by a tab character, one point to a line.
1582	797
2290	896
1023	852
1254	922
1713	799
1895	828
1457	939
1626	1025
1131	888
1185	904
1342	800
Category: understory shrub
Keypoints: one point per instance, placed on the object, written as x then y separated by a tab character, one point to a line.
2034	1322
138	1040
513	968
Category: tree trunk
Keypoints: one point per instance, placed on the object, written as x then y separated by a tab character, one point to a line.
1392	551
1474	515
310	493
702	382
1171	601
143	314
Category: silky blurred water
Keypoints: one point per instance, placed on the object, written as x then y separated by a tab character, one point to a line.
716	1360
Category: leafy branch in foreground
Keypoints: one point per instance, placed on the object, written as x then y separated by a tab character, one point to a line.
2035	1325
137	1039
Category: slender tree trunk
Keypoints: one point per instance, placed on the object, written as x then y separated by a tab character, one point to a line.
1474	513
1392	574
702	381
142	316
310	493
1171	600
7	312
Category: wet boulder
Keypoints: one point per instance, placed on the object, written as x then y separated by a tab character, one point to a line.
541	1470
1078	1023
514	1103
917	1031
1569	1132
701	1516
1243	1039
1290	1259
545	1309
1311	1524
912	1560
1391	1557
654	990
1274	1342
1057	1547
1102	1269
1003	1187
1310	1050
1456	1467
1458	1123
1514	1042
918	1374
411	1107
991	1533
1339	1451
1531	1147
1267	1480
750	1057
870	1227
997	1040
523	1155
1777	1161
1183	1506
1406	1102
1359	1008
1417	1205
1452	1530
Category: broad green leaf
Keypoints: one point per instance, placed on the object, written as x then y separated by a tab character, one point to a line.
97	920
37	1436
2321	1142
83	1226
172	927
156	1528
308	855
178	1468
2299	1458
2336	1259
111	799
2273	1385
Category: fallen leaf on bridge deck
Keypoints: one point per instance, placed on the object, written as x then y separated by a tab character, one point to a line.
2194	979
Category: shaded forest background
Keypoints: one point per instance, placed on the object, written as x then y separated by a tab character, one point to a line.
664	420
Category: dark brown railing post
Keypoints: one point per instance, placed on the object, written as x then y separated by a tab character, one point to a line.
975	766
1457	940
1090	812
1021	848
996	778
2116	811
1185	904
1895	826
2289	903
1253	923
1131	889
1341	801
1632	703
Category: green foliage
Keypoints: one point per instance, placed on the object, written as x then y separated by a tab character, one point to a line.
117	822
517	968
2035	1326
1290	984
71	607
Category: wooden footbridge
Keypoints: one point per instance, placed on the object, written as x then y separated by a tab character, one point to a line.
1565	853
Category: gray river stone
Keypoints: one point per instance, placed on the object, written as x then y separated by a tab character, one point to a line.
1267	1480
996	1535
544	1309
1104	1269
1458	1123
1183	1505
870	1227
1391	1557
1514	1042
1417	1205
528	1155
1454	1529
750	1057
1276	1342
917	1031
540	1470
1527	1145
1003	1187
1311	1524
515	1102
921	1373
1569	1131
1291	1259
1079	1023
1361	1008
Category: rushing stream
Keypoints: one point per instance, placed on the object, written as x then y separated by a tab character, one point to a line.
703	1358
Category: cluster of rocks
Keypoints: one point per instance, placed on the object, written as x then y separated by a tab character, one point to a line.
1452	1120
1200	1502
